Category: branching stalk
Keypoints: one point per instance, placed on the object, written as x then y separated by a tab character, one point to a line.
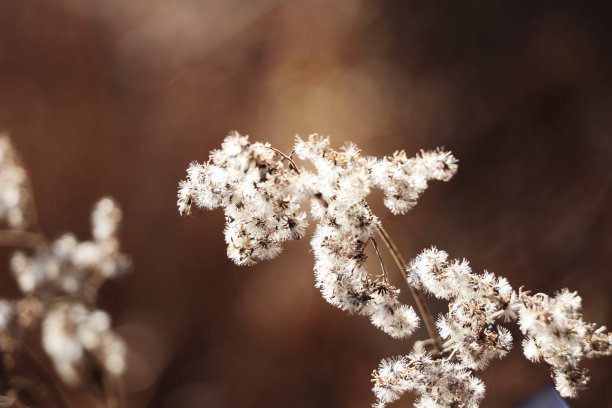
416	294
284	156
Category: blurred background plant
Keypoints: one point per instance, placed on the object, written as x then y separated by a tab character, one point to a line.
58	282
116	97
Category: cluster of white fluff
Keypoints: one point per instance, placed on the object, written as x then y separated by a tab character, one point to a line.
68	266
553	326
440	383
260	190
346	225
403	179
72	335
556	333
73	332
254	186
477	302
15	198
59	281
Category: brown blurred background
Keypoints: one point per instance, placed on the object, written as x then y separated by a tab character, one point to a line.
117	97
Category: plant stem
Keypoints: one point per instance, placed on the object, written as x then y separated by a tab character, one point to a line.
416	294
21	238
382	264
56	386
284	156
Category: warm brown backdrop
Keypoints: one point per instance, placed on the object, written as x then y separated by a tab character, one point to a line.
117	97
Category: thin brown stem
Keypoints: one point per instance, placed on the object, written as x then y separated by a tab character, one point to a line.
21	239
382	264
120	386
33	213
118	390
284	156
416	294
56	387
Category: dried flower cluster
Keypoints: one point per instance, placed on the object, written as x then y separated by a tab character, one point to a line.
69	267
477	303
553	326
261	190
439	382
59	281
556	333
254	189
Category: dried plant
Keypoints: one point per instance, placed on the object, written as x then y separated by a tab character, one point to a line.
261	190
59	281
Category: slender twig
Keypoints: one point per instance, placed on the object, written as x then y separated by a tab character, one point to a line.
113	395
382	264
21	238
56	387
416	294
120	390
33	212
284	156
452	354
